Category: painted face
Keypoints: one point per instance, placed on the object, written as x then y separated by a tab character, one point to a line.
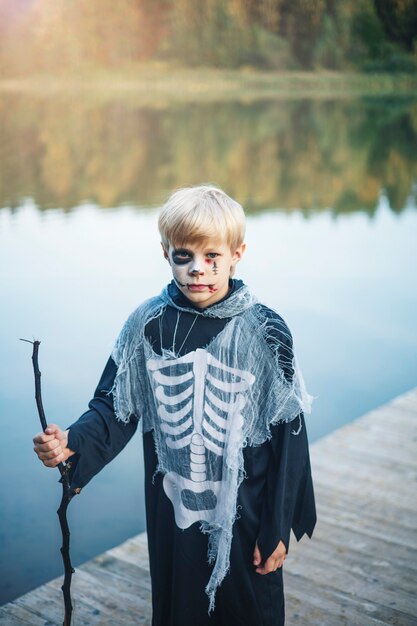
202	271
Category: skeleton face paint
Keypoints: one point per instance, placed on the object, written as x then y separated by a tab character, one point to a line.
202	271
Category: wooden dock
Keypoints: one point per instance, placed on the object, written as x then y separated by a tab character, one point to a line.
360	568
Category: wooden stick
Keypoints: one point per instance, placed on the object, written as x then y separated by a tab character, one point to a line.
67	493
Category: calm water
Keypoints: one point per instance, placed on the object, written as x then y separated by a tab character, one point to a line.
330	189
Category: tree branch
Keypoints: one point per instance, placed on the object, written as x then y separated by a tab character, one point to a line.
67	492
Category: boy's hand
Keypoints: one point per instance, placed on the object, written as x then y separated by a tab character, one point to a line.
275	561
52	446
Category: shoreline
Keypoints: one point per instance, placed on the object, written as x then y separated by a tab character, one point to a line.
152	83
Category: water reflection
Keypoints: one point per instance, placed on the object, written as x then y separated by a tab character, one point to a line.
312	155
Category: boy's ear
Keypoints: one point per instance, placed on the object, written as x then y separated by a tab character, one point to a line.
165	252
238	253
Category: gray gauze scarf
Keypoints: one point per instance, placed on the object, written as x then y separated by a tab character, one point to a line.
206	406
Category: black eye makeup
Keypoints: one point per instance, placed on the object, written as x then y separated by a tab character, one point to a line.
181	256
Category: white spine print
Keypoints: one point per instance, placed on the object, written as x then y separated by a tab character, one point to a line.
191	415
198	459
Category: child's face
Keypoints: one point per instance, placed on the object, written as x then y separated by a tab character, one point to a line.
201	271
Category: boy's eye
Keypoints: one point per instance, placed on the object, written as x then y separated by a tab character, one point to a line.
212	255
181	256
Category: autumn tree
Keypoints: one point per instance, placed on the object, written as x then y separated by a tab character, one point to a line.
399	19
300	25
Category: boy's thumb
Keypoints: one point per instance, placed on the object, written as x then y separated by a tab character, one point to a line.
256	556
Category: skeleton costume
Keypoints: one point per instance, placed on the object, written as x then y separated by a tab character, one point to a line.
221	402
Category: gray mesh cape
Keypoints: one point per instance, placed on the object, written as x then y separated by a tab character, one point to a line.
206	406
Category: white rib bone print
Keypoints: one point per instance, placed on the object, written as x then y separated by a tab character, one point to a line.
190	413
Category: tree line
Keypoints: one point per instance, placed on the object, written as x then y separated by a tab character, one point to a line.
65	35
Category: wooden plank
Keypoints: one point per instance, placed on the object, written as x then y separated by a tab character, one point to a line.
122	607
43	603
360	568
376	511
14	615
400	456
376	459
309	602
113	575
94	605
341	575
357	486
133	551
368	568
355	524
345	537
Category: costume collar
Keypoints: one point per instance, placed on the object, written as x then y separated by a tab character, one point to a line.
238	299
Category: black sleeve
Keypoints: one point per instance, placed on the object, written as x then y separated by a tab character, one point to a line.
97	436
289	495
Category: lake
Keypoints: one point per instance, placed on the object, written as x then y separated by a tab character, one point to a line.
330	189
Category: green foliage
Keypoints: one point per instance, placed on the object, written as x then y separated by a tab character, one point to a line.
270	51
208	33
327	51
395	61
301	25
204	33
399	19
368	34
373	51
64	37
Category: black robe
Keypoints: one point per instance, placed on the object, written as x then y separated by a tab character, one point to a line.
276	495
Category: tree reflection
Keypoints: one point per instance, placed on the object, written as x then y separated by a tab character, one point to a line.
307	154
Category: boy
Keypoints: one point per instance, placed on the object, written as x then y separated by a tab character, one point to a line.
210	373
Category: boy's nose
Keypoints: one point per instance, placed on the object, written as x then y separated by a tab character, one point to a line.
197	266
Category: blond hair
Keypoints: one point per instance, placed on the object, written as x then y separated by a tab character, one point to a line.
193	214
